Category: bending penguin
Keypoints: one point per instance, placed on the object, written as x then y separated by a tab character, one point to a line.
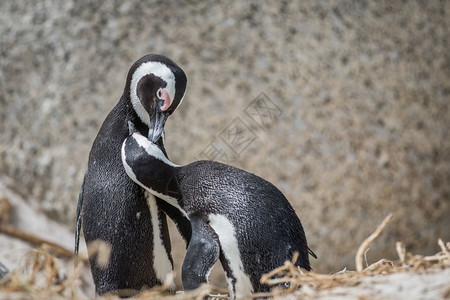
236	217
125	227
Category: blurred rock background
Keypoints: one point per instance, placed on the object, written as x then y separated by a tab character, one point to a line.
359	93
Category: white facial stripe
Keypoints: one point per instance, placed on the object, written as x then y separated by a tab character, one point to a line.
159	70
128	169
152	149
161	262
229	245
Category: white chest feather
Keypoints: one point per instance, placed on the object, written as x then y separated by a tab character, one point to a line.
229	245
161	262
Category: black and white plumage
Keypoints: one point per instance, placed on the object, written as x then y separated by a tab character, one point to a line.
118	216
236	216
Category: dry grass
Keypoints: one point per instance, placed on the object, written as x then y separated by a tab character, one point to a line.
39	276
407	262
295	277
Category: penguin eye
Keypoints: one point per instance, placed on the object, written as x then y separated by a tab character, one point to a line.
159	94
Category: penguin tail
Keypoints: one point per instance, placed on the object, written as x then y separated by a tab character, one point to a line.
78	221
312	253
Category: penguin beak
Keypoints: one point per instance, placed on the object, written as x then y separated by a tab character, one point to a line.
131	128
157	121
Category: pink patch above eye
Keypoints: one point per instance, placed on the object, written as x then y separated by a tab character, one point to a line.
164	96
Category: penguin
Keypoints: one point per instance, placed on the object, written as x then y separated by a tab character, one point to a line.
125	227
236	217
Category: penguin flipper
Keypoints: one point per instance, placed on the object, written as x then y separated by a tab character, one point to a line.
78	219
181	222
202	253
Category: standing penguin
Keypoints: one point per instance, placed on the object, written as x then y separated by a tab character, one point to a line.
236	216
125	228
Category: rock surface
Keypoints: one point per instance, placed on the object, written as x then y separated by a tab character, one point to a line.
358	95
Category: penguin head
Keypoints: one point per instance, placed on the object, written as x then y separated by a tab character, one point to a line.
156	88
138	153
